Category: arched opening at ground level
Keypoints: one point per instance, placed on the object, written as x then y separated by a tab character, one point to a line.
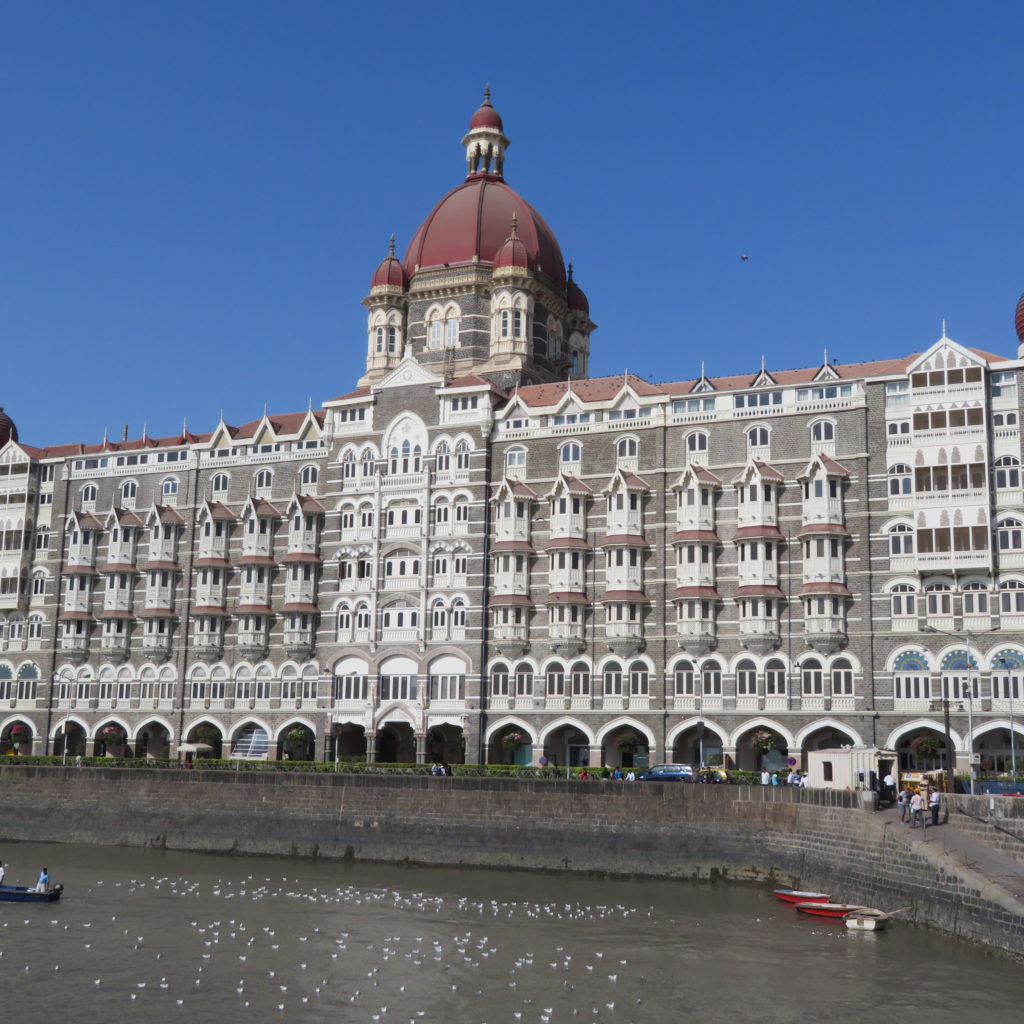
296	743
110	740
567	745
510	745
17	738
70	740
153	741
922	749
997	749
348	742
446	744
762	748
697	745
396	743
208	734
626	747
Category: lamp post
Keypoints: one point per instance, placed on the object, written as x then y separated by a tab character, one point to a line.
1011	692
965	638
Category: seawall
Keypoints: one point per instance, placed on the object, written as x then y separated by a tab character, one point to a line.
768	836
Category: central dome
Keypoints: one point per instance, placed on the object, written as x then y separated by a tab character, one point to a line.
471	223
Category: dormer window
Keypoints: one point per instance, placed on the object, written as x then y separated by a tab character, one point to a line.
629	413
563	419
757	400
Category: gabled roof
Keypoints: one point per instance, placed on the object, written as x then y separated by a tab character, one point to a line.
762	469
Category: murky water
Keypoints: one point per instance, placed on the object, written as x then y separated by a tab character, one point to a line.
170	937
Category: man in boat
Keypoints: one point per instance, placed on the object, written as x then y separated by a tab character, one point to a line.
44	881
2	872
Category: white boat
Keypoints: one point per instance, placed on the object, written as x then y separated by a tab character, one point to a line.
866	919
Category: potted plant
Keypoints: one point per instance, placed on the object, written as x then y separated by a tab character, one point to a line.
20	734
512	741
111	736
762	741
926	746
628	741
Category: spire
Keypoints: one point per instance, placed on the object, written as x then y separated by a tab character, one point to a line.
391	246
569	271
514	235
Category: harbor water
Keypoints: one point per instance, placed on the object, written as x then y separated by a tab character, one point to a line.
164	937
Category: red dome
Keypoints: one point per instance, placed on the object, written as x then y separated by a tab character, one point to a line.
8	431
1020	319
486	116
471	224
390	273
575	296
513	253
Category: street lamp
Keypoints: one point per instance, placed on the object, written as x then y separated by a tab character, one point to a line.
965	638
1011	692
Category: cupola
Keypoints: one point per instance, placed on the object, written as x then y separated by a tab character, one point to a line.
485	141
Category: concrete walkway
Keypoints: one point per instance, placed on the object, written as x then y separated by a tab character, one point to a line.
998	876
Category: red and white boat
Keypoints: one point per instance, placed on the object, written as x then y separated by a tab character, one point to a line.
833	910
801	896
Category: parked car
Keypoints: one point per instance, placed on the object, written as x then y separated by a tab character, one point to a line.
713	775
668	773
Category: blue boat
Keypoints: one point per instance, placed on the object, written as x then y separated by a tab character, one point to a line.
22	894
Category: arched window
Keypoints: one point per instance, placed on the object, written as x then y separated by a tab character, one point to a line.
369	462
459	613
711	679
451	332
811	678
901	540
462	454
912	677
524	680
129	489
515	458
1010	534
310	475
639	680
570	452
348	465
842	678
363	617
499	680
746	679
757	437
264	478
975	598
580	680
89	493
900	480
683	676
903	599
1011	597
219	484
1007	473
344	619
442	458
896	428
169	487
438	615
823	430
774	679
697	441
626	448
939	599
613	679
555	681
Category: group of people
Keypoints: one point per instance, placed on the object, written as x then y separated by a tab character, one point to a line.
611	774
794	778
440	768
42	884
912	803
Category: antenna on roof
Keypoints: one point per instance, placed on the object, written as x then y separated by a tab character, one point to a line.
264	408
145	431
825	359
104	437
762	364
944	327
310	408
124	432
184	426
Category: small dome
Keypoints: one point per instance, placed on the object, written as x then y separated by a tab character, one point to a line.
486	116
8	431
575	296
390	273
513	252
1020	319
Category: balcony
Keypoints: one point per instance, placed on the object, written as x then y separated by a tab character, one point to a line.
695	517
563	580
413	531
513	528
74	648
824	570
158	643
403	481
303	542
511	583
756	513
700	574
400	636
759	635
252	644
299	643
115	647
569	526
822	510
208	646
625	522
757	574
619	578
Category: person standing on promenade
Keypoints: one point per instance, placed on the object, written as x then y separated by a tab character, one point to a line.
766	778
916	809
934	803
904	801
890	788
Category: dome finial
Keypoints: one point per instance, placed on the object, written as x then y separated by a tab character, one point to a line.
485	141
515	225
391	246
487	94
570	270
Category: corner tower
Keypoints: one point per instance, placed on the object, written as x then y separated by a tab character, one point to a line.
482	287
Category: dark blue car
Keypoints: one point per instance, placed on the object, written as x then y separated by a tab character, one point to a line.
668	773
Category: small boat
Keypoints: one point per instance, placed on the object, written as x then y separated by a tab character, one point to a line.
833	910
799	896
22	894
866	920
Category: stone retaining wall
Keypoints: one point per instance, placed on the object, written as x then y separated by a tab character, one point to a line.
774	837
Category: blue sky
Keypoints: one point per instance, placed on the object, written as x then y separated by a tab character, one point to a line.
196	193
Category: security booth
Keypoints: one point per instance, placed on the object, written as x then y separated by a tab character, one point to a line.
853	768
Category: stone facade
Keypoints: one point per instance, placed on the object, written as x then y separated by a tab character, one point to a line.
483	554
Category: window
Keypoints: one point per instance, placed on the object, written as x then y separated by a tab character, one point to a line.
128	490
310	475
939	599
975	598
443	458
903	600
697	441
689	406
89	493
568	418
434	333
683	677
811	679
613	679
39	586
628	414
524	680
570	452
943	378
451	332
639	680
823	394
823	430
219	484
900	478
515	457
897	392
758	400
499	680
462	455
626	448
746	679
169	487
1003	384
555	681
1007	474
774	679
1011	597
264	478
901	540
711	679
1009	533
842	678
757	437
42	538
898	428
